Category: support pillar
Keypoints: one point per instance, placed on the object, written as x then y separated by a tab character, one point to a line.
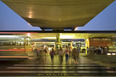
87	45
58	43
71	45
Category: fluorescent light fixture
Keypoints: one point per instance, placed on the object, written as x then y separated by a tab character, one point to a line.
49	37
66	37
22	38
108	53
113	53
28	34
8	36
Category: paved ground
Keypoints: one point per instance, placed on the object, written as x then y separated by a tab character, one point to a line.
34	68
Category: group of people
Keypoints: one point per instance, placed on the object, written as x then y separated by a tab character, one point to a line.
67	52
97	50
41	53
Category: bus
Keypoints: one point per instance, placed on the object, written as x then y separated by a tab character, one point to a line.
14	47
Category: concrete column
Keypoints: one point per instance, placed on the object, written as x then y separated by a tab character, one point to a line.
71	45
87	44
58	43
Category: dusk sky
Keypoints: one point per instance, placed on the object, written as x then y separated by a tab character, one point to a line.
9	20
106	20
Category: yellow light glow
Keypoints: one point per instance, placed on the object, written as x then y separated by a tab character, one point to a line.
30	14
76	28
27	38
87	40
29	24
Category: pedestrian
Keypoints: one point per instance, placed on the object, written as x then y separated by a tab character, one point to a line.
67	52
61	53
52	55
41	55
75	55
78	52
105	50
46	52
36	50
87	50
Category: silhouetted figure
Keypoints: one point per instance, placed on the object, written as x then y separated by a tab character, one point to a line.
105	50
41	55
95	50
78	52
87	50
100	50
61	53
67	52
75	55
46	52
52	55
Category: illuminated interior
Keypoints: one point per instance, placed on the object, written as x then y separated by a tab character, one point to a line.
83	40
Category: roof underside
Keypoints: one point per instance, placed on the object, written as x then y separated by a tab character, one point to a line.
35	35
57	13
71	35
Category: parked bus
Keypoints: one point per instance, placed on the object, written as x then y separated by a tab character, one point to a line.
14	47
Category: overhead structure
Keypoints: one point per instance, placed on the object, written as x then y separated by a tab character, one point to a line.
69	35
57	14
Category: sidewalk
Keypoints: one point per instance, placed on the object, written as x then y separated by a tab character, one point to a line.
104	60
46	60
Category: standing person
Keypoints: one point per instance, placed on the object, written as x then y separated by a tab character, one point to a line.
91	50
61	53
95	51
52	55
87	50
105	50
36	51
46	52
99	50
42	55
74	55
33	48
78	52
67	52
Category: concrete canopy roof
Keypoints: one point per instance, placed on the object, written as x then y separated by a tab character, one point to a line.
35	35
71	35
57	13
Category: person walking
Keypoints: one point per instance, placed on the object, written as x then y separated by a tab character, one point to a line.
78	52
61	53
75	55
67	52
52	55
87	50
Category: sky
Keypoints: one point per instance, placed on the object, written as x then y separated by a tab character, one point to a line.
106	20
9	20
